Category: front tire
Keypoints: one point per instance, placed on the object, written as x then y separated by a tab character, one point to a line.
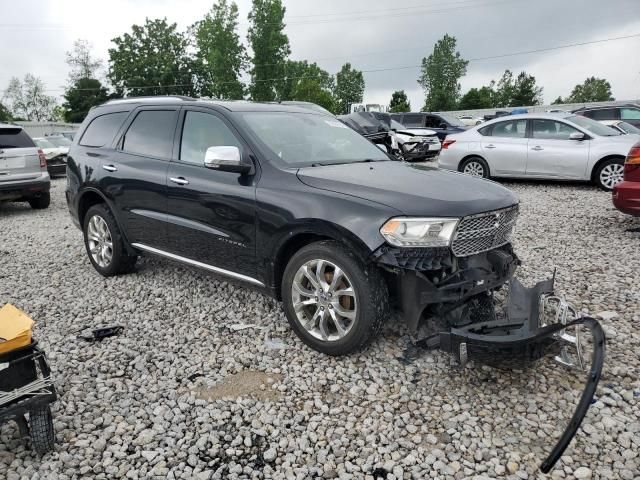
104	243
476	167
609	173
334	302
41	202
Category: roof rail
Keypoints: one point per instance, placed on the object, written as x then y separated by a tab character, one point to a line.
150	97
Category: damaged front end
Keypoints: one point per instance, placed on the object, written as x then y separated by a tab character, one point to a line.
456	298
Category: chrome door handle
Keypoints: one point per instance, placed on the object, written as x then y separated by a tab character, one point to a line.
537	148
490	146
109	168
179	180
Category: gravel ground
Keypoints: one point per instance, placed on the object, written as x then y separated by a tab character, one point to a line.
187	391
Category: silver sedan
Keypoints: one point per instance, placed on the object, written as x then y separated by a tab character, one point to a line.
556	146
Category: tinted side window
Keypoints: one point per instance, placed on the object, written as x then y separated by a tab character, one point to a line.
432	122
513	129
602	114
414	120
151	133
15	138
102	129
552	130
485	131
630	113
201	131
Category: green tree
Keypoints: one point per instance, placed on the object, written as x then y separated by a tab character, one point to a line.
441	74
482	97
307	82
399	102
81	63
270	47
558	101
519	92
151	60
28	99
5	114
591	90
349	88
220	55
81	96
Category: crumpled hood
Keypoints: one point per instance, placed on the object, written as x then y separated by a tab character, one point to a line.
413	190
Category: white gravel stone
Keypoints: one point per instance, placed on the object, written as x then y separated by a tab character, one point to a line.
181	393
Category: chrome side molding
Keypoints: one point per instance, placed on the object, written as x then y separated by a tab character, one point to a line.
195	263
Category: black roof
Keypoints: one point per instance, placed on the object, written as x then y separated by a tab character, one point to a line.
599	107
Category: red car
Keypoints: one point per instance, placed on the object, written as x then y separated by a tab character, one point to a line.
626	194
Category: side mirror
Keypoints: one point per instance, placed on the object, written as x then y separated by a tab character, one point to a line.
576	136
225	159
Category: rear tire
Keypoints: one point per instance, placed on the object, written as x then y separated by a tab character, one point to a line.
41	429
105	244
41	202
609	173
476	167
348	310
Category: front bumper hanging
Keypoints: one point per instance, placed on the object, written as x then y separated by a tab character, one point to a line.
535	324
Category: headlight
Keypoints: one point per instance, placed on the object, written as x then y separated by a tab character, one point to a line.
419	232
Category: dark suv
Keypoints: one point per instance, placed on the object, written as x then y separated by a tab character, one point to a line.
291	202
629	113
440	123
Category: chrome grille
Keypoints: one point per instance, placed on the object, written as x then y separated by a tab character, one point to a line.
483	232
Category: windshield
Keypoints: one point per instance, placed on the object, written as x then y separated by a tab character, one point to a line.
452	120
60	141
395	125
42	143
627	127
594	127
300	140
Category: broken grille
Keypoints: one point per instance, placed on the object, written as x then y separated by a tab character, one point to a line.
484	232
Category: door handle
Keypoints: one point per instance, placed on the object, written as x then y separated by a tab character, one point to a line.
109	168
491	145
537	148
179	180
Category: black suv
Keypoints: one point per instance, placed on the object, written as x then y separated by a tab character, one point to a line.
291	202
629	113
440	123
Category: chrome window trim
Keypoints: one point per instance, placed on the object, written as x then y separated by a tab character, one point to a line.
195	263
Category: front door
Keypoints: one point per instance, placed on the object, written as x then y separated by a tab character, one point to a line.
211	214
134	175
504	147
551	154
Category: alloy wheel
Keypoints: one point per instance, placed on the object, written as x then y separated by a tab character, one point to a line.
100	241
475	169
324	300
611	174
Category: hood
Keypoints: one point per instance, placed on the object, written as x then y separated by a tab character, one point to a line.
413	190
424	132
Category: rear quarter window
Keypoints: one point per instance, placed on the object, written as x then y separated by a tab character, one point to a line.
15	138
102	129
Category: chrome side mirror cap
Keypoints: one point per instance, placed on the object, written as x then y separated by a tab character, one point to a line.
226	159
577	136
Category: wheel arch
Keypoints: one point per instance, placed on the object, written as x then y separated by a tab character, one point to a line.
467	157
597	165
90	197
301	237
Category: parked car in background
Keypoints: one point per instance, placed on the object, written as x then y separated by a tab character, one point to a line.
418	144
56	156
470	120
540	145
623	127
442	124
293	203
626	194
499	113
23	168
60	141
67	134
629	113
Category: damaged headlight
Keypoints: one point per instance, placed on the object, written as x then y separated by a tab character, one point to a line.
419	232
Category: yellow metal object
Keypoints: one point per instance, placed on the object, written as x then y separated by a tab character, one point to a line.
15	328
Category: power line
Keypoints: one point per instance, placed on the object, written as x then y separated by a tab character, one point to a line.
388	69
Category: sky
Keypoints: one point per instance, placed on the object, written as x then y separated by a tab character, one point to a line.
387	40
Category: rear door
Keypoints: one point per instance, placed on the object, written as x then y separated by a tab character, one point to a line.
134	175
504	147
552	154
19	158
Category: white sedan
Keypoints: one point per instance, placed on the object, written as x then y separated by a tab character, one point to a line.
470	120
556	146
